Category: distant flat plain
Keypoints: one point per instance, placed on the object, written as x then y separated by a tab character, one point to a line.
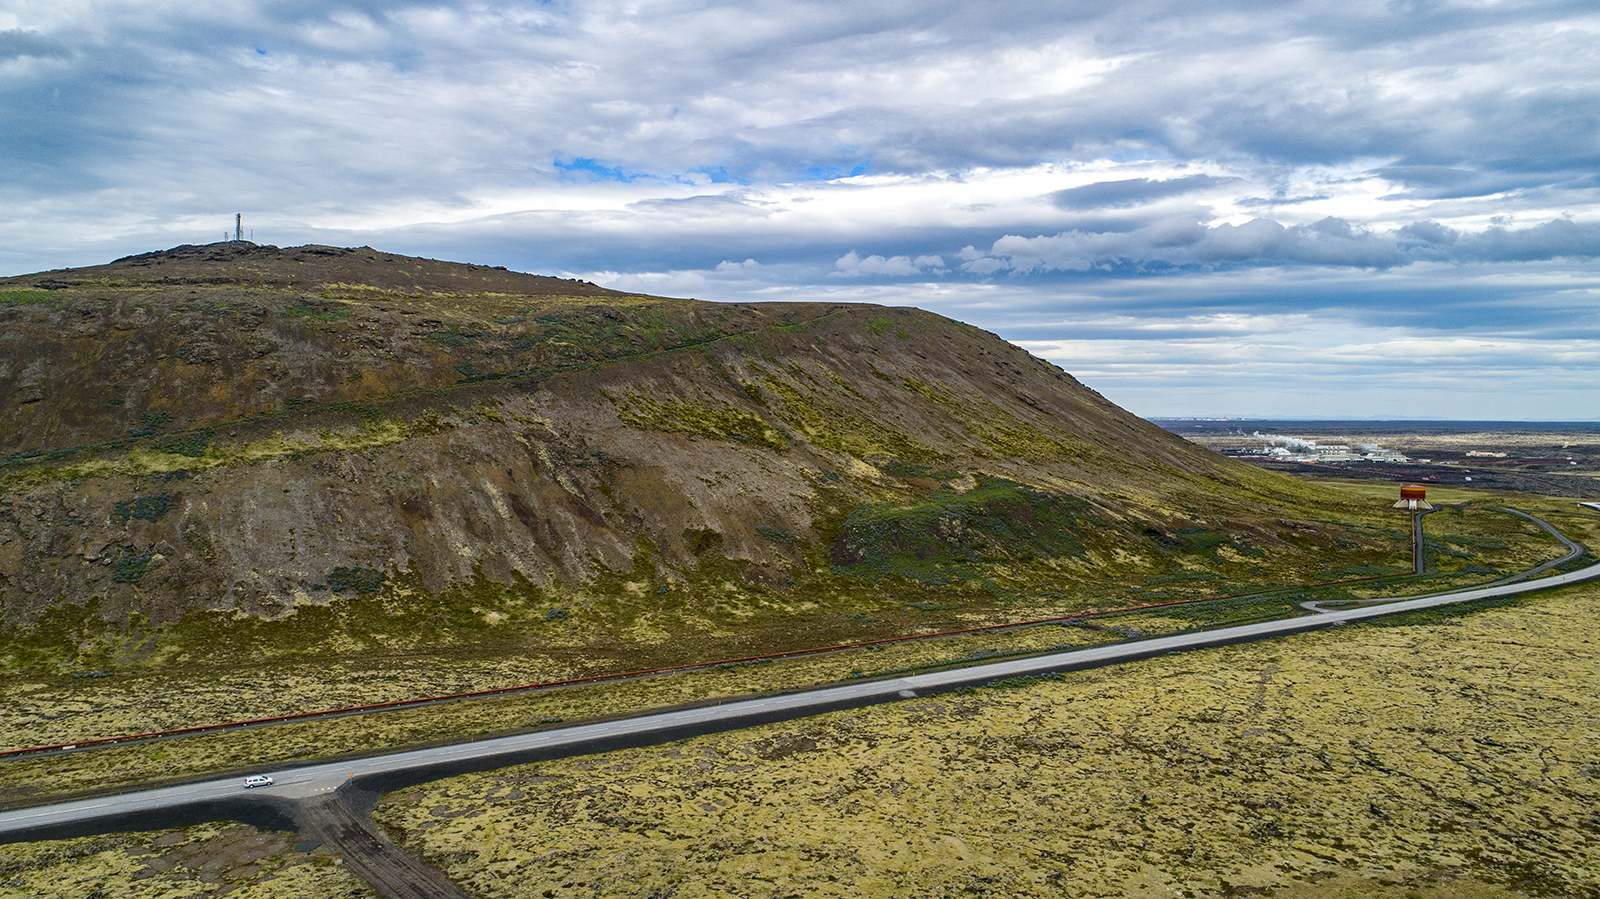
1554	458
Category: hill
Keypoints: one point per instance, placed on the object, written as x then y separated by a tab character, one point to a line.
244	451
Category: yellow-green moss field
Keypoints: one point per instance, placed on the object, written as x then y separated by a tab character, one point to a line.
219	859
1455	759
25	777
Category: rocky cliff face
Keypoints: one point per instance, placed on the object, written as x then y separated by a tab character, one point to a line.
258	430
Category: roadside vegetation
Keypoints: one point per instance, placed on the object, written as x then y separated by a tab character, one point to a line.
215	859
1372	762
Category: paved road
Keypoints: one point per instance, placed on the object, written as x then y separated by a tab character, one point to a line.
210	800
1573	549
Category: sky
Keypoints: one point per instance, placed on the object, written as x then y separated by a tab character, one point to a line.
1263	209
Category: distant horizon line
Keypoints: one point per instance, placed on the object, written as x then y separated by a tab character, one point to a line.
1384	418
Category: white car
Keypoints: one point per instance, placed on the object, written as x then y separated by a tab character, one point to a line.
258	780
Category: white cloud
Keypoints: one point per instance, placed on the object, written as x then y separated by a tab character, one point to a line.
1328	242
679	283
852	264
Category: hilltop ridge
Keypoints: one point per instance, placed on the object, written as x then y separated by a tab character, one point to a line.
311	265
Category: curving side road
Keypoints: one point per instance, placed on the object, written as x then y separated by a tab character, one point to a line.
1574	550
298	789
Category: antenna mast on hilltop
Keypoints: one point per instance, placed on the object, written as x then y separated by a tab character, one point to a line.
238	229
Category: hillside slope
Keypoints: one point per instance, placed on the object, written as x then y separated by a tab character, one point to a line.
434	453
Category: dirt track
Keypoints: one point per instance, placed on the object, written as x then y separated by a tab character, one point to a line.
363	848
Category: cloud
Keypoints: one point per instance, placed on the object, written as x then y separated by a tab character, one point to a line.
1330	241
1439	182
851	265
1180	241
701	206
1428	232
1558	239
585	92
17	43
1132	191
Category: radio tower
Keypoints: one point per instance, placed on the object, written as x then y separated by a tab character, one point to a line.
238	227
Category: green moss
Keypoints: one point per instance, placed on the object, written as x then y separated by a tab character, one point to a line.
749	389
1010	438
24	297
65	635
319	311
776	535
146	508
361	580
130	569
725	422
953	537
168	456
1005	434
382	612
427	424
595	334
834	429
701	540
150	423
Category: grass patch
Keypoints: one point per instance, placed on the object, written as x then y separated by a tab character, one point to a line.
196	451
24	297
1003	433
841	431
947	537
319	311
725	422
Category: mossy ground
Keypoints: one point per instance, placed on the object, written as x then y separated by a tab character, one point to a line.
217	859
1444	760
44	712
